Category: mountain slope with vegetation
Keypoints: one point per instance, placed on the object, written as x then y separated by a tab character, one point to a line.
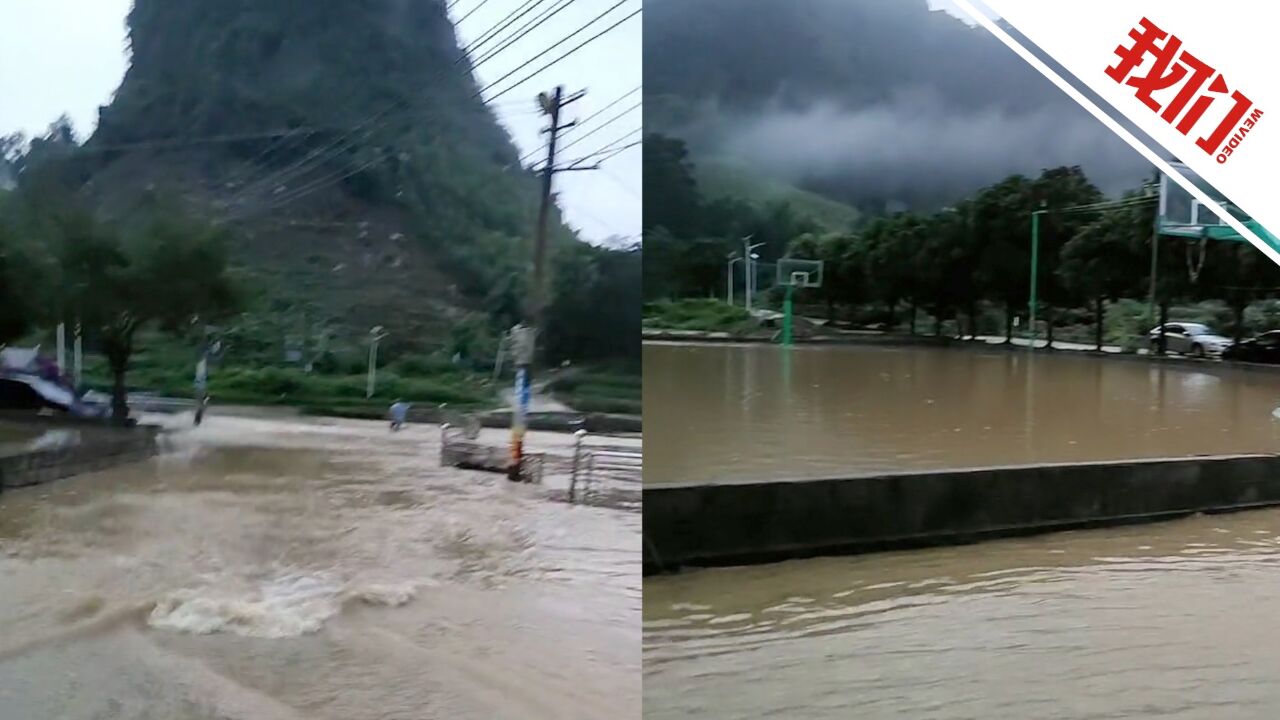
345	174
347	148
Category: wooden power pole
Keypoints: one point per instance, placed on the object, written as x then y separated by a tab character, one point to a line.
524	335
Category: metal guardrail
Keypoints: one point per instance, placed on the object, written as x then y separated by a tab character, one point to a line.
459	447
609	473
599	474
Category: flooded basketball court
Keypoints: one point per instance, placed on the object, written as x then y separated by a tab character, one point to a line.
760	412
1172	620
264	568
1165	620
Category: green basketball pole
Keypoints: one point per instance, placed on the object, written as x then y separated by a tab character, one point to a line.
786	318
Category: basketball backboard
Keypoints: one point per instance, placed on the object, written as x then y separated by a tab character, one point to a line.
1182	215
795	272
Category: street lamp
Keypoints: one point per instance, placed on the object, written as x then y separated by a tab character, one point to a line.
733	258
1035	268
748	252
376	335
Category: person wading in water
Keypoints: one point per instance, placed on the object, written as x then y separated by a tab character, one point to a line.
399	411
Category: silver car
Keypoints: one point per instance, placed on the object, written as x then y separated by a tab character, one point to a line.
1189	339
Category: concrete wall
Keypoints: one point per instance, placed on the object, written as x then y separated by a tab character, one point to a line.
105	449
747	522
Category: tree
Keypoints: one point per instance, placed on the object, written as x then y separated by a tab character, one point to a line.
1104	259
19	308
596	311
892	248
1002	223
670	192
1058	189
174	275
1240	274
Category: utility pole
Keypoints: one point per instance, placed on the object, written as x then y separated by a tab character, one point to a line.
1155	248
1035	271
524	335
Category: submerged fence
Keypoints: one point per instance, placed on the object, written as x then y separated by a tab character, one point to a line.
605	474
598	473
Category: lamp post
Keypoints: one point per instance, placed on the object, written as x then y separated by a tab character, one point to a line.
1035	270
733	258
62	348
77	355
748	253
376	335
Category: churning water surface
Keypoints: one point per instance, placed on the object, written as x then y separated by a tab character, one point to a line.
266	569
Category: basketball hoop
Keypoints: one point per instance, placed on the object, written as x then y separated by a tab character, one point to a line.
795	273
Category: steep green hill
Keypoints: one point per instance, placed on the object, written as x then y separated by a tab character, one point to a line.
397	199
718	178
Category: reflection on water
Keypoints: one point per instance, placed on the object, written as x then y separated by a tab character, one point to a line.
735	412
266	569
1174	620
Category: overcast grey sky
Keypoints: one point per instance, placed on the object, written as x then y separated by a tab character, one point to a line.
599	203
69	56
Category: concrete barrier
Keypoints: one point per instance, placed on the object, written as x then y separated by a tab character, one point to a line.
736	523
106	448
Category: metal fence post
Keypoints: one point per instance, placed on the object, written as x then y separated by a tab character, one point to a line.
444	443
577	462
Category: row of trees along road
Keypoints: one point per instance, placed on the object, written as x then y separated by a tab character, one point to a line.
951	261
58	264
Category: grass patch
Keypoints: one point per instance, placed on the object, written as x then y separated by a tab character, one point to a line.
703	314
613	389
314	392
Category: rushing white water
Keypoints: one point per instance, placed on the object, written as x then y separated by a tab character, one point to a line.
288	606
263	569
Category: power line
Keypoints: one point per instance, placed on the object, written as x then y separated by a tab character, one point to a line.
606	158
305	190
611	121
497	28
527	28
189	142
606	148
615	101
334	148
348	138
589	118
277	144
480	93
471	12
535	73
316	185
621	185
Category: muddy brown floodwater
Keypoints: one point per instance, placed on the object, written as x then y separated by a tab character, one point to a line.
1169	620
759	412
1172	620
264	569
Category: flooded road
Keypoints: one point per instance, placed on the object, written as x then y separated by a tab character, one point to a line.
1172	620
266	569
758	412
